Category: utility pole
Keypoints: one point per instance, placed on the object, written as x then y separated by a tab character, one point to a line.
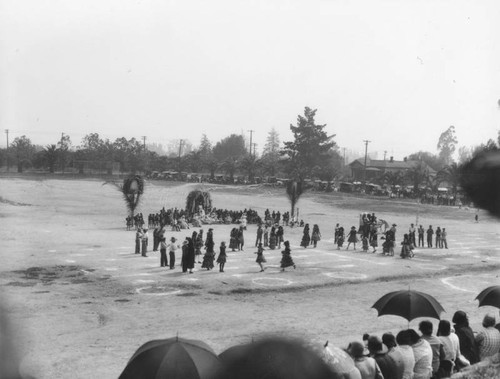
8	162
251	133
144	143
181	142
62	153
385	153
344	156
366	154
254	144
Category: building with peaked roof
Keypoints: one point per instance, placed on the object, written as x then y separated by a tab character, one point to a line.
375	168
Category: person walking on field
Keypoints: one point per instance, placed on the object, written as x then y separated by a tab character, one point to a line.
286	257
316	235
260	257
172	248
221	259
163	253
352	238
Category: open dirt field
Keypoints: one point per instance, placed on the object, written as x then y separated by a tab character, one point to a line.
80	302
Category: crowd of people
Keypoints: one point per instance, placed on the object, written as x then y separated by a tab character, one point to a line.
270	234
425	355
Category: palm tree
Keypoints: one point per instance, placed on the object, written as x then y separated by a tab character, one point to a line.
250	164
450	174
294	190
417	175
393	178
229	166
50	153
132	189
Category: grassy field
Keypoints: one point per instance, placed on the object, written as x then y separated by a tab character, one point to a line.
80	302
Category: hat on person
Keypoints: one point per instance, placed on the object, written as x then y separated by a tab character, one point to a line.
356	349
394	225
375	345
173	239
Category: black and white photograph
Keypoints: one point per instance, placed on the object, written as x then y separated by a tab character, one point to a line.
250	189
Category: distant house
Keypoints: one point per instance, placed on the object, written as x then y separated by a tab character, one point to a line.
375	168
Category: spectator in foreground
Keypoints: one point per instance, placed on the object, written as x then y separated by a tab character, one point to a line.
426	329
465	335
367	366
422	352
451	346
378	351
488	339
404	341
395	353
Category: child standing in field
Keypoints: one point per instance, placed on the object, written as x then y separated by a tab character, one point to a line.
221	259
364	241
260	257
340	237
316	235
286	257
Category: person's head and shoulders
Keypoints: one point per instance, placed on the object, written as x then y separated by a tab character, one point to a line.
379	352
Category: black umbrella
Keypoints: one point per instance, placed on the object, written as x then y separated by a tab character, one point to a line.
274	358
489	296
408	304
172	358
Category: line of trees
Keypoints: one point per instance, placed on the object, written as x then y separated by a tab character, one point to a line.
312	154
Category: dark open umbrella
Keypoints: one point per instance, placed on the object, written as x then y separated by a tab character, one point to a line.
274	358
408	304
489	296
172	358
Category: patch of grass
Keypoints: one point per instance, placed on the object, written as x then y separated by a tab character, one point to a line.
21	284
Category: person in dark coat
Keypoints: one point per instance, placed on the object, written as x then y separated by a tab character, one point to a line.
306	238
163	253
185	254
280	236
316	235
208	258
352	238
286	257
260	233
241	238
190	255
272	238
233	239
468	346
378	351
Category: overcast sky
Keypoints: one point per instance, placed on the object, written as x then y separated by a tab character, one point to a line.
397	73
